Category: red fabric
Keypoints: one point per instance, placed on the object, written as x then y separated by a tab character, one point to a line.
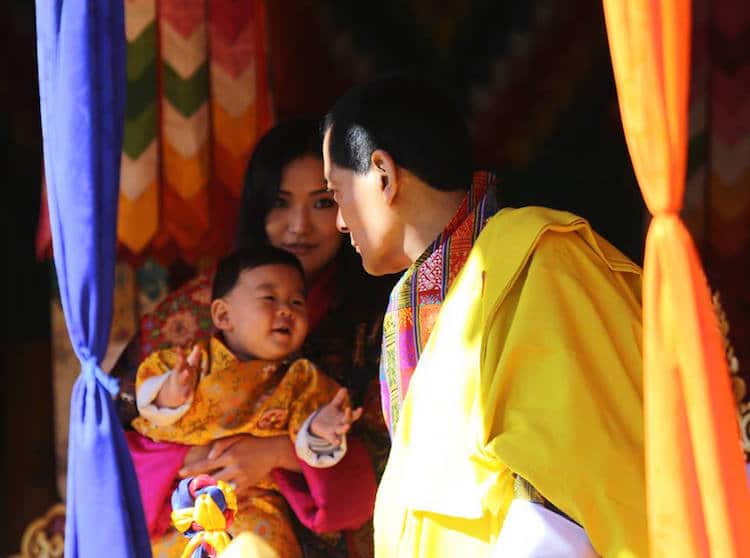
43	233
338	498
320	296
156	466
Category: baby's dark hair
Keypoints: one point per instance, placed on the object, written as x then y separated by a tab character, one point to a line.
231	267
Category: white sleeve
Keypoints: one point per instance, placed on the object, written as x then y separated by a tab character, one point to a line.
159	416
532	531
317	452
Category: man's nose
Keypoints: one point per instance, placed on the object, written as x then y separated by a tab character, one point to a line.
340	223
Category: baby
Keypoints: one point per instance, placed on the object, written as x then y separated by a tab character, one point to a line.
244	381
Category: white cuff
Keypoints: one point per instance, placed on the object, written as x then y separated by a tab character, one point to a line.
159	416
317	452
532	531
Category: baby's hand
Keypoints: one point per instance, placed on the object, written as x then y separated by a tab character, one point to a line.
335	419
181	384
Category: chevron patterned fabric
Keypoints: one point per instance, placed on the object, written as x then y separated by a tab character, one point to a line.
198	100
138	219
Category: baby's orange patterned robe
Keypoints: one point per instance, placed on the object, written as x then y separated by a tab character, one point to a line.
255	397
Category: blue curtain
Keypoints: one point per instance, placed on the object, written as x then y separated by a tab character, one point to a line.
81	55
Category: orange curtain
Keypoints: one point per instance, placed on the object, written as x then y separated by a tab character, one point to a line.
698	502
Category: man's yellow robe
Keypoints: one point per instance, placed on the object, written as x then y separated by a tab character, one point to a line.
533	368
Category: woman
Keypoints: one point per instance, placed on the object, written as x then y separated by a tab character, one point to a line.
285	203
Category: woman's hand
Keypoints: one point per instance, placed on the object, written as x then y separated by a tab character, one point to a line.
196	454
244	461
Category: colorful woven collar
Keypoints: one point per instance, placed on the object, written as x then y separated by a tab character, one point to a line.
415	301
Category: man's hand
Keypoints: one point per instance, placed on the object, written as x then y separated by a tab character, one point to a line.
335	419
181	384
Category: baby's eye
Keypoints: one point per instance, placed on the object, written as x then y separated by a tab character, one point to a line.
269	297
298	302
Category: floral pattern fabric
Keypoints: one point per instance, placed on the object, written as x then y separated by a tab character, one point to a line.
233	397
182	319
255	397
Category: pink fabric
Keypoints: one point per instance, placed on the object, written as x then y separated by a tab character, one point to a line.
338	498
156	466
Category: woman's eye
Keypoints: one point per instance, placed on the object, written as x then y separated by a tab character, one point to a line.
279	202
324	203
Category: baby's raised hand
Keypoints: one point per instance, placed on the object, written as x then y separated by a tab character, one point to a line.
335	419
180	385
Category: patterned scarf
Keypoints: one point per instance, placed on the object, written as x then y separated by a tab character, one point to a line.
415	300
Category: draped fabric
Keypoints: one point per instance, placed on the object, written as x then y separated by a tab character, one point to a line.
81	53
214	66
198	100
717	190
698	501
415	301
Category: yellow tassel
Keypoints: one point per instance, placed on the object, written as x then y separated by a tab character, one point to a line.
182	519
219	540
208	515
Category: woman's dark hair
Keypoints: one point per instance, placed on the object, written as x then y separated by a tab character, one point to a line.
284	143
417	123
230	268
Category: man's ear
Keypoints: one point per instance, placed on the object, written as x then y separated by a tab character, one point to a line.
220	315
383	165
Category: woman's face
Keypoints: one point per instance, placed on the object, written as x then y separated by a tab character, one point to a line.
303	218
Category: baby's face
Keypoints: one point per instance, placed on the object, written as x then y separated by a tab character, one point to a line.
267	313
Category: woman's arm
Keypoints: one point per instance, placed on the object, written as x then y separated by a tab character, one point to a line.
335	498
243	460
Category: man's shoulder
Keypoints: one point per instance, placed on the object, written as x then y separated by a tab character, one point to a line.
545	232
512	222
511	236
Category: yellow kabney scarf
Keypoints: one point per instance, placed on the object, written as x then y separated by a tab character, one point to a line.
533	368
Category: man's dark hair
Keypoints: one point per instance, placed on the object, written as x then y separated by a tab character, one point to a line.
231	267
415	122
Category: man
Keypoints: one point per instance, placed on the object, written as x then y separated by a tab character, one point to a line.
511	363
